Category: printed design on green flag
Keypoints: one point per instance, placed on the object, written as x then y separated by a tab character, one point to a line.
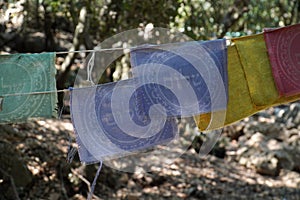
26	73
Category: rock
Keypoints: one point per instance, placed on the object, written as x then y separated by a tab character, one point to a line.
158	180
273	144
290	116
244	157
291	179
294	140
133	196
241	150
243	139
219	150
294	154
263	115
266	164
269	147
265	128
256	139
279	112
286	134
285	160
194	192
235	130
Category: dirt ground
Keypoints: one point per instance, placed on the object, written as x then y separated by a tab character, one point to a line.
42	147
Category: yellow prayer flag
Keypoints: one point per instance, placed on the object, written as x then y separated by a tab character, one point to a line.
251	86
239	100
253	54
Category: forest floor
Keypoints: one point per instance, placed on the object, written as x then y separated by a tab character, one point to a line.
33	163
42	146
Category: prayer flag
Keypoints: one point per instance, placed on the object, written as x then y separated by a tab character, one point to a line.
250	79
189	78
284	52
256	65
26	73
109	123
239	99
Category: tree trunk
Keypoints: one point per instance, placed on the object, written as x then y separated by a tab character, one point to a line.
77	40
66	65
50	42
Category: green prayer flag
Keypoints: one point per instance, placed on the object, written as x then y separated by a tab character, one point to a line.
27	73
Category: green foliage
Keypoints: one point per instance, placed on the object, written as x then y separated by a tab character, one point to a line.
199	19
206	19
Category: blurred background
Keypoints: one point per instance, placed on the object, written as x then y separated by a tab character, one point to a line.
256	158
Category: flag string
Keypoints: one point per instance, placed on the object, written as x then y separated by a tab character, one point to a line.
87	51
33	93
93	50
122	48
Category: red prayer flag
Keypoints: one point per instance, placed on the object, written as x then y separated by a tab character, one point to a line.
283	46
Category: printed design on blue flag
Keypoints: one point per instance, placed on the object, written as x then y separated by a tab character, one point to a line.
194	72
141	130
169	82
109	138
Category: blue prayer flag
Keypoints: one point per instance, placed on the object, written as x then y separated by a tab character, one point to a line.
109	123
169	81
186	77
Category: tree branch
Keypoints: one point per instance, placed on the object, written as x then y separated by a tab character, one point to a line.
233	15
77	40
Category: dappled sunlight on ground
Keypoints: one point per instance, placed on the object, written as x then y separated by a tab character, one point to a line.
43	145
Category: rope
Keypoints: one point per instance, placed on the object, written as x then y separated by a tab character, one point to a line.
92	188
32	93
118	48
